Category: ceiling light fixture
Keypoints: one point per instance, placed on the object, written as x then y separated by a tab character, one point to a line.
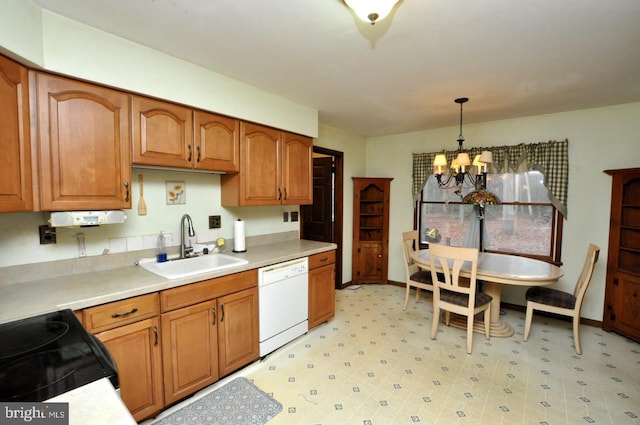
371	11
459	174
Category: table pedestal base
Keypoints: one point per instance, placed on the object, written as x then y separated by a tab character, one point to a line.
498	329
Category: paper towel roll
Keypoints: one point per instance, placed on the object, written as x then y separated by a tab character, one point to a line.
239	236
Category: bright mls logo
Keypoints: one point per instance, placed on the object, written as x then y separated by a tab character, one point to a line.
34	413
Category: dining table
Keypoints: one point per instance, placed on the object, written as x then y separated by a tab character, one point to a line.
495	270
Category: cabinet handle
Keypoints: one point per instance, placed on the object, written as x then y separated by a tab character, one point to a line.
128	313
198	154
279	194
285	194
322	260
155	332
222	313
126	186
189	156
213	310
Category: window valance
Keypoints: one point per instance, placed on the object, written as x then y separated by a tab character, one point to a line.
550	158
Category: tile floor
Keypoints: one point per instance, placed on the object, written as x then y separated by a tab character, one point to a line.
374	364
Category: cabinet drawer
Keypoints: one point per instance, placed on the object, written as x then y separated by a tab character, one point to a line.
112	315
194	293
322	259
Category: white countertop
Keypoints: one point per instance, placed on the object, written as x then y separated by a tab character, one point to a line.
96	403
82	290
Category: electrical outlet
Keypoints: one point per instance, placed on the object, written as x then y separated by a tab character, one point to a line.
47	234
215	222
294	215
285	216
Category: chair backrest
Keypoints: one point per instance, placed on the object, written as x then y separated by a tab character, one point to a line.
409	245
446	263
585	275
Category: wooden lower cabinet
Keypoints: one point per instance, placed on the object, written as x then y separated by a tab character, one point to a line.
206	341
190	349
136	351
170	344
322	294
238	332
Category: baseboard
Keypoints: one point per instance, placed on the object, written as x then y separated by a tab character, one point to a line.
523	309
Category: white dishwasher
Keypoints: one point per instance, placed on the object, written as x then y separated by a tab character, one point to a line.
283	294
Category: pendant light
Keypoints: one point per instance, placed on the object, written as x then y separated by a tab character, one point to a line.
371	11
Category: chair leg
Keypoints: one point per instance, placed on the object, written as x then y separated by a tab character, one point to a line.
487	323
527	321
576	334
469	333
434	322
406	297
417	294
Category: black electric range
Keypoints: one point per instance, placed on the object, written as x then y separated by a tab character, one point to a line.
46	355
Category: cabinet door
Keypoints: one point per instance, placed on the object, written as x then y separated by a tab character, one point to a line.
217	141
136	351
629	320
297	169
84	145
322	295
369	264
162	133
15	143
189	348
238	335
258	182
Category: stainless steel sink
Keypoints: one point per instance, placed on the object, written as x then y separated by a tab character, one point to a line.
185	267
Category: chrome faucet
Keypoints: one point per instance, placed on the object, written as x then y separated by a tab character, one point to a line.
186	251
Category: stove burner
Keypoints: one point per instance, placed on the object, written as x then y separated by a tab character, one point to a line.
24	378
49	354
26	337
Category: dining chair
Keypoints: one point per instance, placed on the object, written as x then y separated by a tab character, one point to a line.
455	294
416	277
559	302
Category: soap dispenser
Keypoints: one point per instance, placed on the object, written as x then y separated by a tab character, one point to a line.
161	256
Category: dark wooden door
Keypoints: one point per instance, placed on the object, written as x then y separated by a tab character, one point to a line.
317	220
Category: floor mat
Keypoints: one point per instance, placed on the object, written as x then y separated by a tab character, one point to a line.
239	402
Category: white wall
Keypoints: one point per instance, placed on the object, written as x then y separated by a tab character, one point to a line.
64	46
354	149
599	139
48	41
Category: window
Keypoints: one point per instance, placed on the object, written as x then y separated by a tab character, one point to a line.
526	223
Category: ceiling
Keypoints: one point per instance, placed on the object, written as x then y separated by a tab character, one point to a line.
512	58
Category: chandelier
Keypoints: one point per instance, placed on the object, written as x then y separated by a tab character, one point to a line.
371	11
461	170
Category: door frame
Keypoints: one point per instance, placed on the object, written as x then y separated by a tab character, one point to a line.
338	208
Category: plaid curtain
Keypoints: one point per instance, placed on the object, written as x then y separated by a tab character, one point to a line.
550	158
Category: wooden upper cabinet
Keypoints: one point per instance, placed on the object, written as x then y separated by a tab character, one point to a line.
162	133
217	142
297	169
275	169
84	145
169	135
16	192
